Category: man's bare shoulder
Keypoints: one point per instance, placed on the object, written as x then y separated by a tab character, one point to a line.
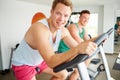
72	27
37	29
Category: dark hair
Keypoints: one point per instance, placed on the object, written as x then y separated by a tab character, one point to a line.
65	2
84	11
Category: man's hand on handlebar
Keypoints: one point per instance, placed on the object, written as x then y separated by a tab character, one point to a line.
87	47
93	39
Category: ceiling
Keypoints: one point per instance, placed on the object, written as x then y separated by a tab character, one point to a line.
76	2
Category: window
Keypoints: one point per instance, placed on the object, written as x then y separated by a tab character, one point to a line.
92	26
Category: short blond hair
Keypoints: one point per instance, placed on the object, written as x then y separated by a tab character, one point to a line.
65	2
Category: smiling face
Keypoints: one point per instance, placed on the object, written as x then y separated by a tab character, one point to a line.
84	18
118	23
60	15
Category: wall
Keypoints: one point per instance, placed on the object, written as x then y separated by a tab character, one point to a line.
0	55
117	14
15	18
109	14
0	45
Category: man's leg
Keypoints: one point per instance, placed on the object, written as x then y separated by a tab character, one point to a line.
74	75
34	78
62	75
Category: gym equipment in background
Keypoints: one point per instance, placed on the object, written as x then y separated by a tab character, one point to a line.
3	72
78	61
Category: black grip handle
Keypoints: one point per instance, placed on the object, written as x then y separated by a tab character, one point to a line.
104	36
101	39
78	59
82	57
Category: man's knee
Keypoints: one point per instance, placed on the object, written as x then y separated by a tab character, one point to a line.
63	75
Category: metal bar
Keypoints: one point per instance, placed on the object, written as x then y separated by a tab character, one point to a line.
105	63
82	69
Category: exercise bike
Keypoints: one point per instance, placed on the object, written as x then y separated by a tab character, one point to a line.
78	61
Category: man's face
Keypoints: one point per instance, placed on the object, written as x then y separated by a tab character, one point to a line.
84	18
118	23
60	15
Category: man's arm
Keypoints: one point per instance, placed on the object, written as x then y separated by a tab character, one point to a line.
68	39
86	36
86	47
75	33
